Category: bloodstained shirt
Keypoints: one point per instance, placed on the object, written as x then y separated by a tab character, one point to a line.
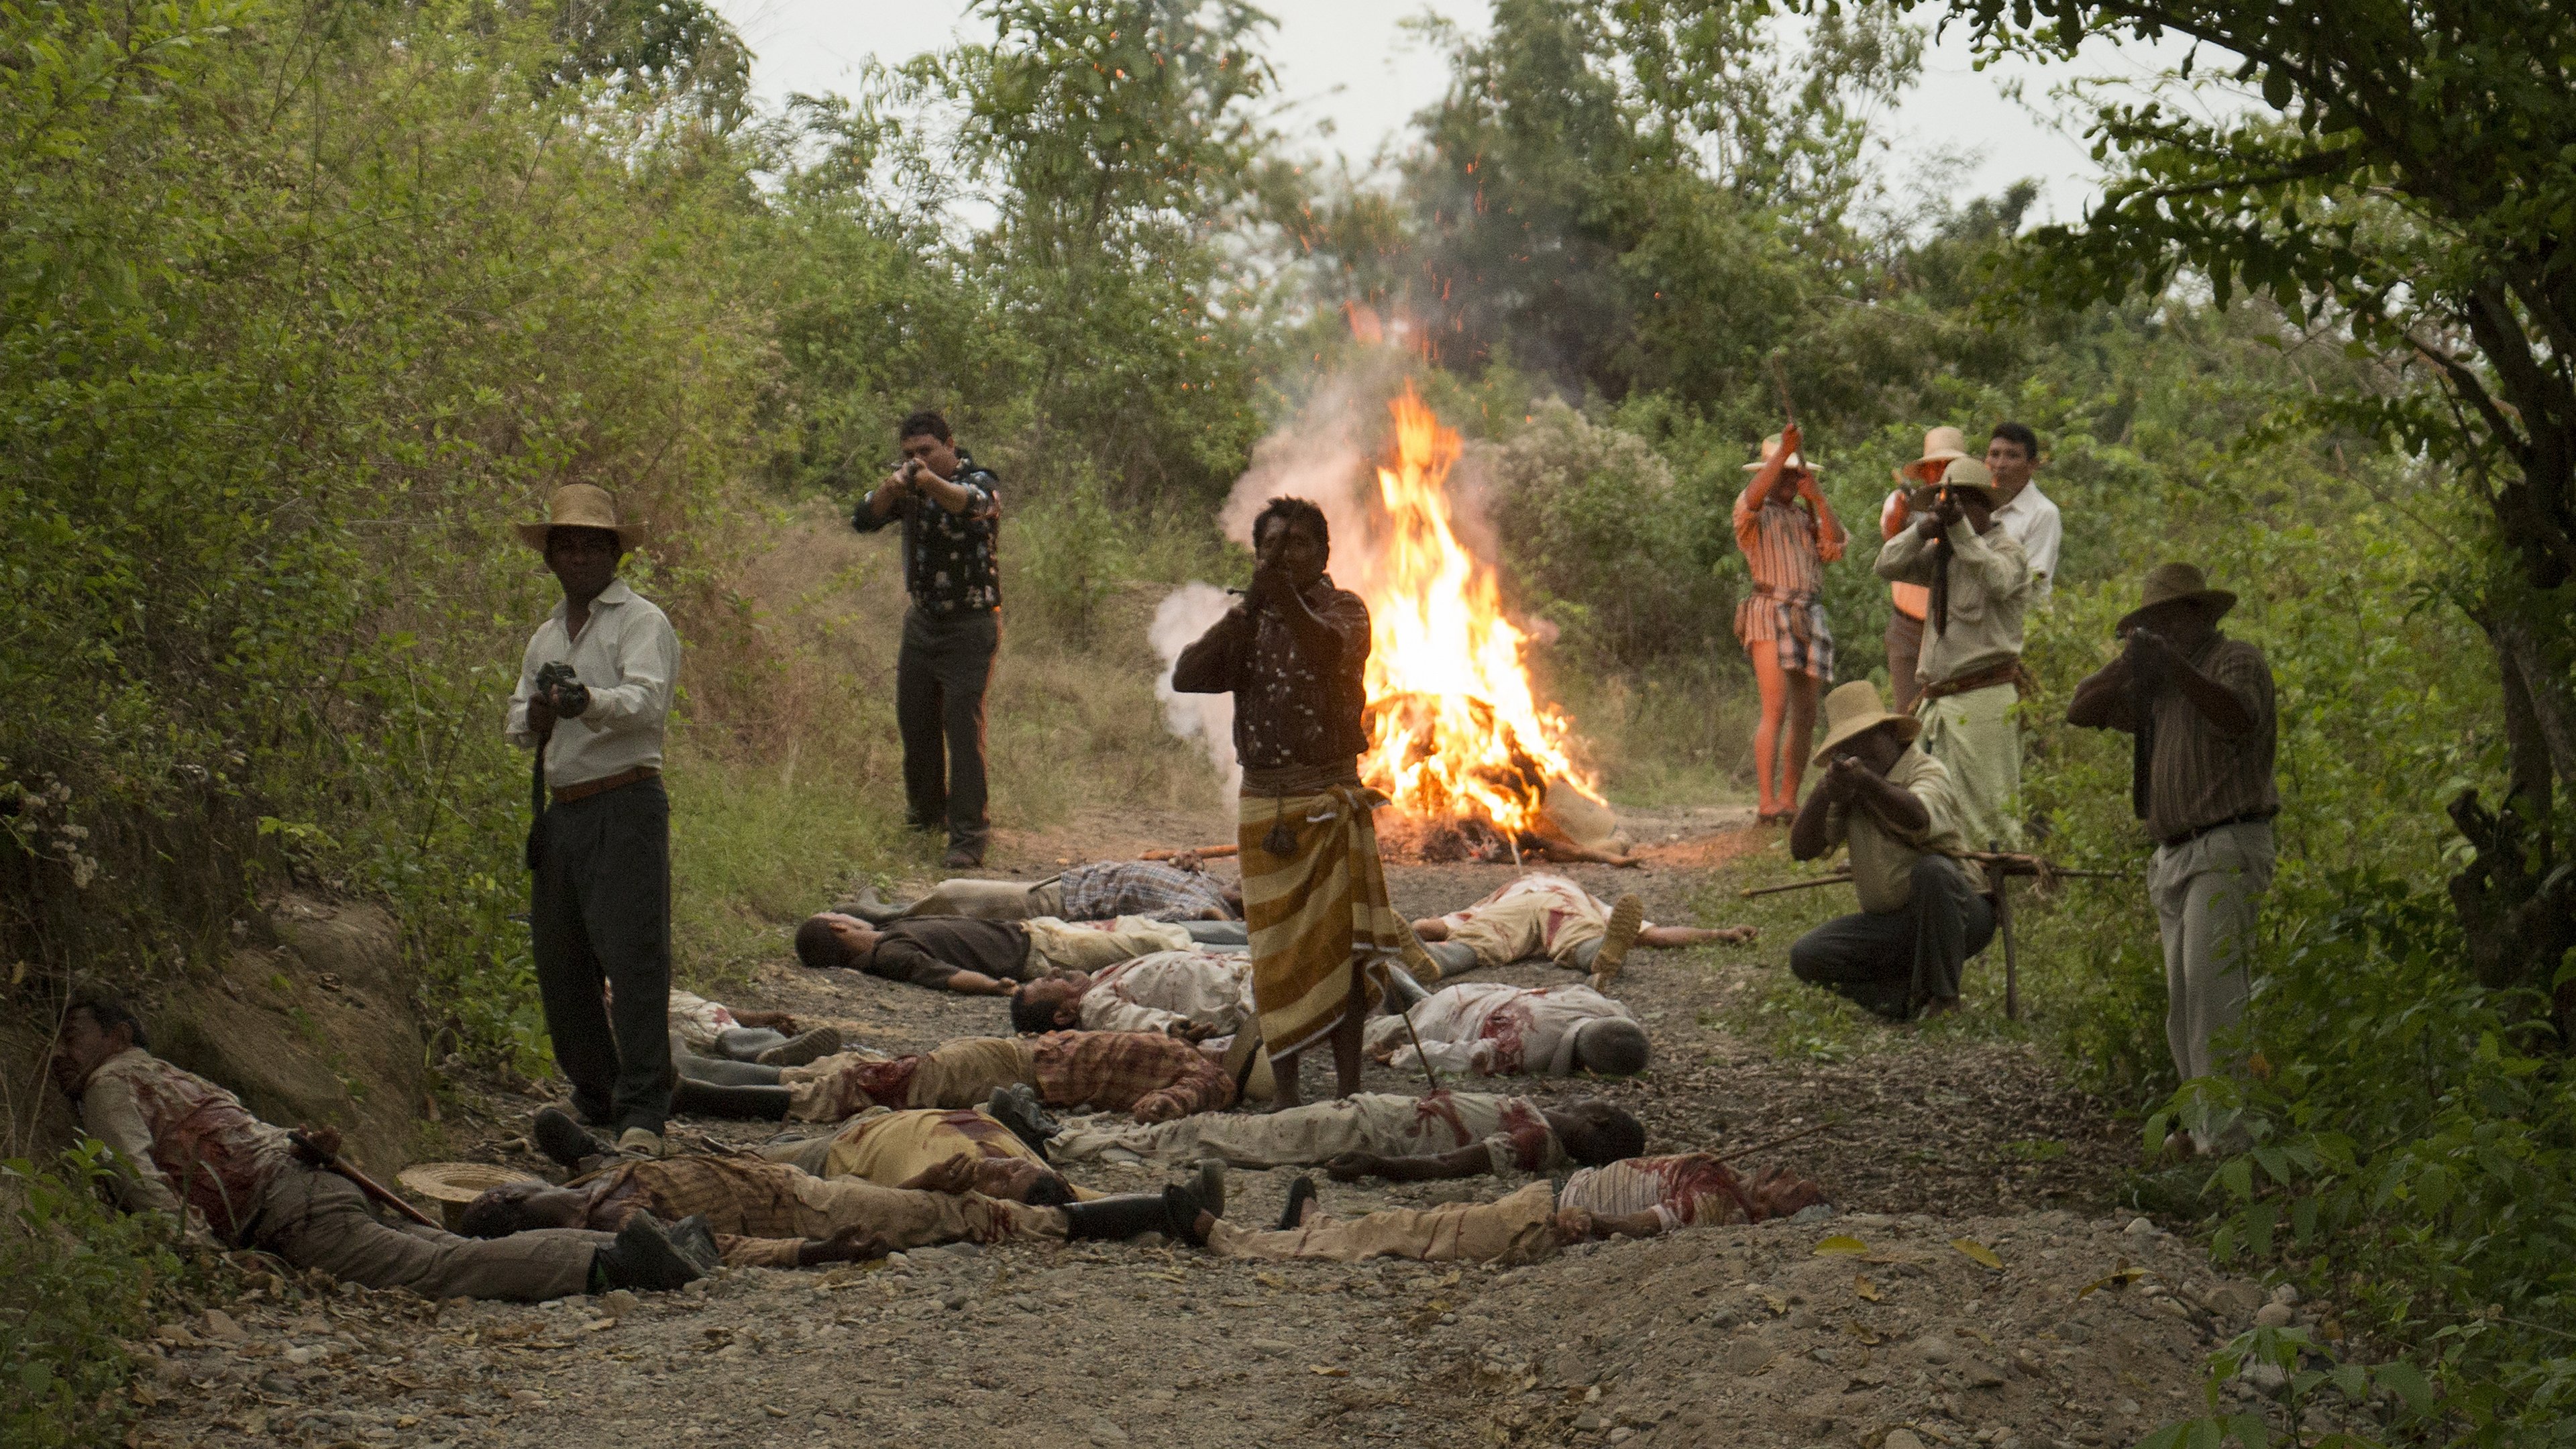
1290	709
183	1144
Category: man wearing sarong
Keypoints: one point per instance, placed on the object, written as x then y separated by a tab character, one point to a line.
1920	918
1293	654
1636	1198
1469	1132
1540	914
1788	533
1147	1074
1495	1030
1970	670
977	957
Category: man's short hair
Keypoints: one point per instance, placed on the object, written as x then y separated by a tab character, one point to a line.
1611	1134
821	947
2019	433
108	1013
495	1214
1614	1046
924	423
1050	1190
1031	1016
1294	510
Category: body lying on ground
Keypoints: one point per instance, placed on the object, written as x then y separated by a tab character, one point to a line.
1371	1129
182	1145
768	1214
1179	889
1637	1198
714	1031
1494	1030
978	957
1545	915
1148	1074
895	1147
1191	994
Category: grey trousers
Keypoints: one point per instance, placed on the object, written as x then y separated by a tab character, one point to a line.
1892	962
320	1220
2207	892
600	915
940	676
1904	646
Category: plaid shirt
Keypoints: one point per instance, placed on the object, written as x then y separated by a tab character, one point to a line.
1148	888
1156	1077
750	1206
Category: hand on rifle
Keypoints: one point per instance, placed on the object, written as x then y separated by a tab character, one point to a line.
1844	779
2151	657
316	1146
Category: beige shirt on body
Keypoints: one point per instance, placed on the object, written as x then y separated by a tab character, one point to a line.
1989	588
628	657
1882	860
1171	988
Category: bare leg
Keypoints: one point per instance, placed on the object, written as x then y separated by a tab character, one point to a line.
1286	1090
1766	736
1802	734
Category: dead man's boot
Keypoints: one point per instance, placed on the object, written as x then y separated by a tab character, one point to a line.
645	1258
750	1104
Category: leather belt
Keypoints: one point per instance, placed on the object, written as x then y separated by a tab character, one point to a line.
2250	817
2011	673
605	783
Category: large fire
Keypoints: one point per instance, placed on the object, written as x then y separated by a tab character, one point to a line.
1456	734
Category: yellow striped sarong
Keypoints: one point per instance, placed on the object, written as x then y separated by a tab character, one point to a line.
1314	910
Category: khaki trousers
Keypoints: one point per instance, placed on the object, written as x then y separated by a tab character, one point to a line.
1520	1228
990	900
1976	738
910	1219
2207	892
320	1220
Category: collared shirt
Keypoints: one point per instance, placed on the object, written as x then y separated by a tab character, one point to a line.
1989	589
627	657
1680	1190
951	561
2033	522
1289	710
1779	543
1882	860
1156	1077
1171	988
2198	775
183	1145
754	1209
1495	1030
927	950
1114	888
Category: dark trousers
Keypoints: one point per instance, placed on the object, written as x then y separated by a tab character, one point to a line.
1904	646
1894	961
939	682
601	915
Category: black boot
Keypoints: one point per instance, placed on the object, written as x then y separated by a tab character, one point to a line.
755	1104
696	1242
558	1136
1402	991
1300	1193
644	1257
1017	1107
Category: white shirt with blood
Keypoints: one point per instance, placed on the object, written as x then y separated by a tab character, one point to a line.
1496	1030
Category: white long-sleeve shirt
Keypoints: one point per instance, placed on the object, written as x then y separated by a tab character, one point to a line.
1496	1030
628	657
1167	988
2033	522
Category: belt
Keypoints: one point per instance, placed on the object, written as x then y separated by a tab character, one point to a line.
2250	817
605	783
2010	672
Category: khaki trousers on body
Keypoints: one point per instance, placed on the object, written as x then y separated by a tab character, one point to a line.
910	1219
1520	1228
990	900
320	1220
1976	739
1052	943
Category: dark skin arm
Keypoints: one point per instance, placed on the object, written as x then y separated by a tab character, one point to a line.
849	1245
2101	699
1469	1161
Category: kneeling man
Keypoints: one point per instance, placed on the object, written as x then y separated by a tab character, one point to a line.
1920	917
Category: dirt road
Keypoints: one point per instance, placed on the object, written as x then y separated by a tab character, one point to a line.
1947	1300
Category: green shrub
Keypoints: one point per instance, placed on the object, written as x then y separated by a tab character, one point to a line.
83	1280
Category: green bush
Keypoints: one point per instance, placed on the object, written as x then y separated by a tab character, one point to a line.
84	1281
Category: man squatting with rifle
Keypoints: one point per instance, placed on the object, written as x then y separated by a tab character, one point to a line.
594	689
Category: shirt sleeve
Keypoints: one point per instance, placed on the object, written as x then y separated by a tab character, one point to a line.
1893	515
865	520
2241	670
648	659
1906	558
110	1114
514	721
896	959
1994	558
1745	526
2040	546
1940	807
1213	663
1349	619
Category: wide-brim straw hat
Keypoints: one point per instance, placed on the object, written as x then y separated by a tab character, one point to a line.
1771	445
1967	475
2167	582
452	1185
1940	446
1855	709
581	505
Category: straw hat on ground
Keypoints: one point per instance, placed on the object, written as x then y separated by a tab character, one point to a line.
2167	582
1771	445
1940	446
452	1185
581	505
1855	709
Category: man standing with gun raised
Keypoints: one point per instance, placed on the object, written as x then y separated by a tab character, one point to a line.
594	689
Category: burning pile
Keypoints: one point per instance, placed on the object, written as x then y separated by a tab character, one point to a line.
1457	739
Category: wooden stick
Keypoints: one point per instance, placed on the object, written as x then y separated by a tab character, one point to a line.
1203	852
1782	1141
334	1162
1837	878
2000	875
1780	376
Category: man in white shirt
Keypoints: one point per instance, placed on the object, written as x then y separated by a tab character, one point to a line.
2012	456
600	908
1495	1030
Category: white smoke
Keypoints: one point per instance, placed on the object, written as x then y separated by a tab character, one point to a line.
1185	614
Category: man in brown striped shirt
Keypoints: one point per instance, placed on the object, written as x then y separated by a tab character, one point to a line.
1788	533
2200	707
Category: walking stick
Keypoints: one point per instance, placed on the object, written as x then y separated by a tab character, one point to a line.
1837	878
334	1162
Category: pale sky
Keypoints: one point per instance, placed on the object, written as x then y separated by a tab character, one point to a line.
1347	64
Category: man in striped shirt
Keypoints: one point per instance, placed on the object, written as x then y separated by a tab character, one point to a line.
1788	533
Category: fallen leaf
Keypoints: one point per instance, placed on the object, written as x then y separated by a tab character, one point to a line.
1841	1243
1269	1280
1330	1373
1978	1253
2120	1277
1865	1288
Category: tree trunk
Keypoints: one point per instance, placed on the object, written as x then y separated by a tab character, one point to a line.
2516	901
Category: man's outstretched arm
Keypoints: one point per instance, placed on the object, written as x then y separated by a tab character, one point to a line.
1472	1160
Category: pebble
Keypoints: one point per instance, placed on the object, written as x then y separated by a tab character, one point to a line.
2275	1314
220	1325
1105	1432
1748	1355
1900	1439
1935	1349
2140	1228
620	1303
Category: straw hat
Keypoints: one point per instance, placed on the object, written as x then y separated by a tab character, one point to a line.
1855	709
1940	446
452	1185
1771	445
581	505
2167	582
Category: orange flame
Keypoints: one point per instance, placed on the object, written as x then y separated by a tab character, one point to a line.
1455	730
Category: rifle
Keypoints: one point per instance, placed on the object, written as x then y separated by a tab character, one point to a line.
334	1162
